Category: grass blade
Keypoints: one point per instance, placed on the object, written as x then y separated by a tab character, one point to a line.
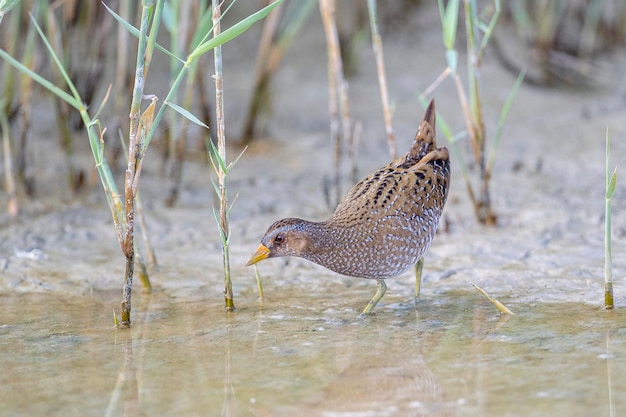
610	190
58	63
135	32
236	159
186	113
62	94
449	19
216	154
233	31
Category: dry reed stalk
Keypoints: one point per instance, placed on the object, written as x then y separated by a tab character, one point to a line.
497	304
24	169
143	270
9	179
221	148
177	132
266	63
279	30
10	44
333	107
7	108
62	109
122	79
377	45
338	102
353	152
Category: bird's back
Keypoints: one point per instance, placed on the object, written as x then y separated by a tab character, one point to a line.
387	221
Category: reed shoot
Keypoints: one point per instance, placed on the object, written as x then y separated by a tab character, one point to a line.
611	180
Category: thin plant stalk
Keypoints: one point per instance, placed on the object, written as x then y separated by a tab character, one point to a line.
332	48
221	148
25	174
143	274
263	73
180	35
470	101
258	283
353	152
135	159
9	178
611	181
275	40
497	304
8	75
121	81
339	104
377	45
59	40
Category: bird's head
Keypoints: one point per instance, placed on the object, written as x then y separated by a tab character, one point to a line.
287	237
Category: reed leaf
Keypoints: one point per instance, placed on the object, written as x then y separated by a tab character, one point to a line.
186	113
449	20
232	32
135	32
62	94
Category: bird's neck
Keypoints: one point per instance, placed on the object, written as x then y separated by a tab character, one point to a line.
323	241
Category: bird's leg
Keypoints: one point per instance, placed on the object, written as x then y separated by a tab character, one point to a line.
382	288
419	266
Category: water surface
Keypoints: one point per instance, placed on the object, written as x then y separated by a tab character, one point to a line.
451	356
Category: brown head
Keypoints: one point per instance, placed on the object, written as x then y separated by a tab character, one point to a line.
286	237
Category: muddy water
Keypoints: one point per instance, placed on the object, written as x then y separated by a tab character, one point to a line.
452	356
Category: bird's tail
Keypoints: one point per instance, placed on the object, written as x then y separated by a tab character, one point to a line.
425	141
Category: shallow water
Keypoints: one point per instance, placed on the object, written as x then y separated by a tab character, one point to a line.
453	355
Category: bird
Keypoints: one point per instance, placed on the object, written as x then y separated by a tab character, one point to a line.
384	224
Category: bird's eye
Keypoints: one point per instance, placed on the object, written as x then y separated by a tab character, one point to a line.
279	239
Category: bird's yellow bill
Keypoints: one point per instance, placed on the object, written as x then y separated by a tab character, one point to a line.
262	252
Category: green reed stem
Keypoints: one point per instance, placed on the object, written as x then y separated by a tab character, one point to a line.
258	283
611	181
